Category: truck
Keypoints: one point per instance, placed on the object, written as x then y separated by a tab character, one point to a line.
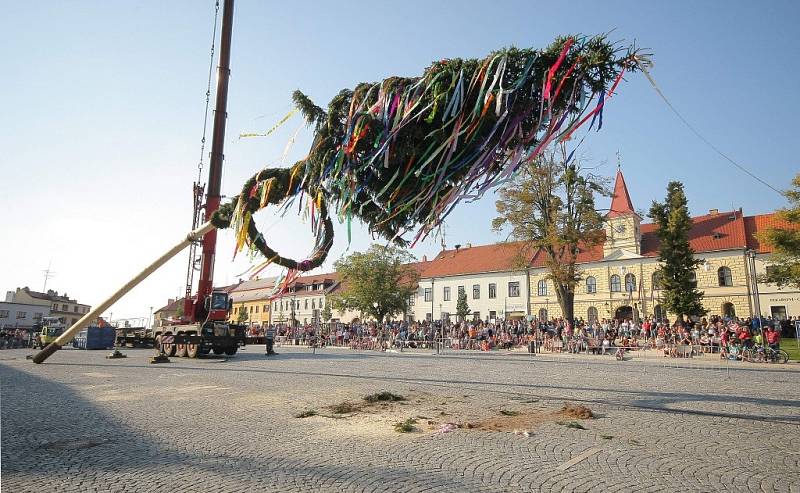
192	338
204	325
134	337
48	329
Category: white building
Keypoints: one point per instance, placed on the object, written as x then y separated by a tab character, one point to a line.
59	305
494	278
21	315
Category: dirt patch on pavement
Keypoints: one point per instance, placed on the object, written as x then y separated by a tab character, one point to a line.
425	414
576	411
526	420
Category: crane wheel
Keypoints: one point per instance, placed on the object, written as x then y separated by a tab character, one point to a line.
180	350
192	350
218	350
169	349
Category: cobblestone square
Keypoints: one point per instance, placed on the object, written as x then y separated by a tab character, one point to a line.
83	423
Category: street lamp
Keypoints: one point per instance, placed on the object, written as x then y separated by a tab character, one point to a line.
432	279
751	256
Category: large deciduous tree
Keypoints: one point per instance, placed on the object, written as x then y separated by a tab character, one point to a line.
550	205
678	263
784	263
378	282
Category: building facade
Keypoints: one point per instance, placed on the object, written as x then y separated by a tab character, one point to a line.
61	306
168	313
305	300
21	315
508	281
251	304
494	278
619	277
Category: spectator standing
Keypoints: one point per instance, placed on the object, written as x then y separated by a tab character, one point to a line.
269	337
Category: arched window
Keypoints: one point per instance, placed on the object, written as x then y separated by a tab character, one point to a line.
728	310
630	283
541	288
592	314
542	315
616	287
591	285
693	279
725	277
659	312
657	280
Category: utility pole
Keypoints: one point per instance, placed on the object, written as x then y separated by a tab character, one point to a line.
48	274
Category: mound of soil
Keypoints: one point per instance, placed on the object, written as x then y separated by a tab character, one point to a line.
576	411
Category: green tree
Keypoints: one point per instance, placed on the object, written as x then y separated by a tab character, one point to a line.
550	206
784	263
243	315
678	262
378	282
462	308
326	313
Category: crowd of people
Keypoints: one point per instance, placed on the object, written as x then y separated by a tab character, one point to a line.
726	336
15	338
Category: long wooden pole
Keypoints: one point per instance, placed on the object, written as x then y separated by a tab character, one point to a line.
87	319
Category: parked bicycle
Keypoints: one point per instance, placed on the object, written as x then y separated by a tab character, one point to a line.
760	354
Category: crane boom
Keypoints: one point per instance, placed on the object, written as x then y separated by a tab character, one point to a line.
194	307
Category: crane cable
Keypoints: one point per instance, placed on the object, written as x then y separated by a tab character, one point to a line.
208	94
646	72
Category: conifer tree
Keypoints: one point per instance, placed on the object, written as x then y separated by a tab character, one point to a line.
677	259
462	308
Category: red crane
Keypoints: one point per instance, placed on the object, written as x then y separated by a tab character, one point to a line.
207	305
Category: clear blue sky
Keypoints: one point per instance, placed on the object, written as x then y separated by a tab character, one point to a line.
103	106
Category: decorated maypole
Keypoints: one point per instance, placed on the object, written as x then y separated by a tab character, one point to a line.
399	155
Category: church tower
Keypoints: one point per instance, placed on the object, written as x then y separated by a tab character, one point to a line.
623	225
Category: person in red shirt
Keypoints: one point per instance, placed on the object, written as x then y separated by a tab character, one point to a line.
744	337
773	338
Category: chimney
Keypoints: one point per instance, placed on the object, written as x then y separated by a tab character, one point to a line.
457	247
713	212
170	301
424	258
469	245
9	296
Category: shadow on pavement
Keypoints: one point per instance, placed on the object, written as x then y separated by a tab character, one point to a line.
657	401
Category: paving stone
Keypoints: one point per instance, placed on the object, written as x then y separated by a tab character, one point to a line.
83	423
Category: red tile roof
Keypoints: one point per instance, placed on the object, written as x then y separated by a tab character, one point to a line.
473	259
709	233
592	254
172	306
760	223
621	203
